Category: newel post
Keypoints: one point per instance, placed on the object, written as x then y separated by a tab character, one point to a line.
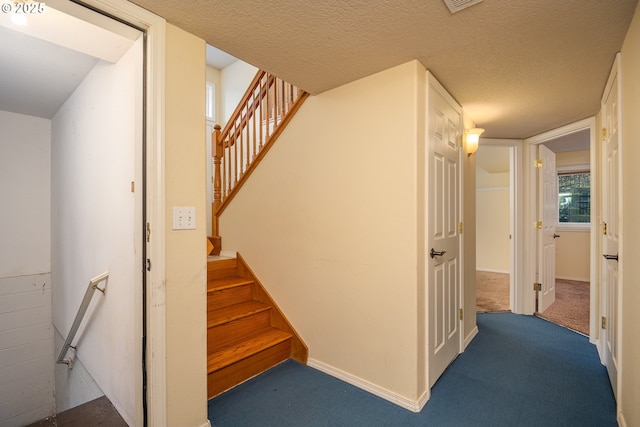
218	150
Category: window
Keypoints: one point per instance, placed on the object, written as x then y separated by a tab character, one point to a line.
574	197
211	102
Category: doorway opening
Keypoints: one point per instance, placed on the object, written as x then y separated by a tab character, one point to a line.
493	228
573	235
574	272
74	117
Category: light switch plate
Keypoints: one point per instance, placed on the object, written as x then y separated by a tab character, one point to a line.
184	218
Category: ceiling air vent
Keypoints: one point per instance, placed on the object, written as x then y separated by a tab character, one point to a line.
457	5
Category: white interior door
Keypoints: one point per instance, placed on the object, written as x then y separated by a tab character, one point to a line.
548	213
443	240
610	237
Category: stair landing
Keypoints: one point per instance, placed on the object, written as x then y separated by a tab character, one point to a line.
98	412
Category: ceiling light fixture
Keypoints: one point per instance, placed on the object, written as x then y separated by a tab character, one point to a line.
19	18
473	137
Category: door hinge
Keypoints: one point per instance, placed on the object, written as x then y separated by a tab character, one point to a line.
148	264
604	228
133	186
148	232
537	286
604	322
538	225
461	313
459	228
538	163
604	134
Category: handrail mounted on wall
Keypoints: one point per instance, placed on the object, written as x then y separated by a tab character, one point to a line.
93	286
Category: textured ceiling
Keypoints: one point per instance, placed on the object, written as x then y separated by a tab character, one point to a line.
518	68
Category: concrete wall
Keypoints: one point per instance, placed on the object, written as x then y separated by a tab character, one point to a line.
97	227
26	334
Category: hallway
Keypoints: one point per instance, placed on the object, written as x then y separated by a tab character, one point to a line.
518	371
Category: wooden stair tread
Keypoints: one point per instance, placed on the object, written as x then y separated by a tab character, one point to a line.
227	282
235	311
246	348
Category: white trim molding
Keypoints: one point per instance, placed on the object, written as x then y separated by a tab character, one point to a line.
411	405
470	337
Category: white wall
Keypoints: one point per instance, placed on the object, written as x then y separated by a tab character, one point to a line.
213	76
329	223
25	229
96	225
630	228
493	220
26	335
234	81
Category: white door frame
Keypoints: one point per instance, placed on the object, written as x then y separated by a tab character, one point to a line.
154	28
530	231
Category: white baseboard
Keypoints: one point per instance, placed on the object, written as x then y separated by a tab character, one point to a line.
207	424
577	279
470	337
621	421
411	405
488	270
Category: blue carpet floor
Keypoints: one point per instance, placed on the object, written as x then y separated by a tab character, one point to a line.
518	371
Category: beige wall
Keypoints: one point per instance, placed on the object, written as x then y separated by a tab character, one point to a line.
492	180
493	228
213	76
493	211
572	158
185	249
470	239
234	80
329	223
630	239
573	255
573	246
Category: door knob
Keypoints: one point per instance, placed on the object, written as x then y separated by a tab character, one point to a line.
614	257
555	236
435	253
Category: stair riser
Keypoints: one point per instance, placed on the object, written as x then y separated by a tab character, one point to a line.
221	268
218	274
229	296
222	335
232	375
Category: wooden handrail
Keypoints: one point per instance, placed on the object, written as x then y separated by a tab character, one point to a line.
263	112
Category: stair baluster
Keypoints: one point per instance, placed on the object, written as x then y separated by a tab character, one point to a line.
266	108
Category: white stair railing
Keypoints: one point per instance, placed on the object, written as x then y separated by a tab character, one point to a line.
93	286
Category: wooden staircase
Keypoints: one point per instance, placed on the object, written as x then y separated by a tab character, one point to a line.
246	332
